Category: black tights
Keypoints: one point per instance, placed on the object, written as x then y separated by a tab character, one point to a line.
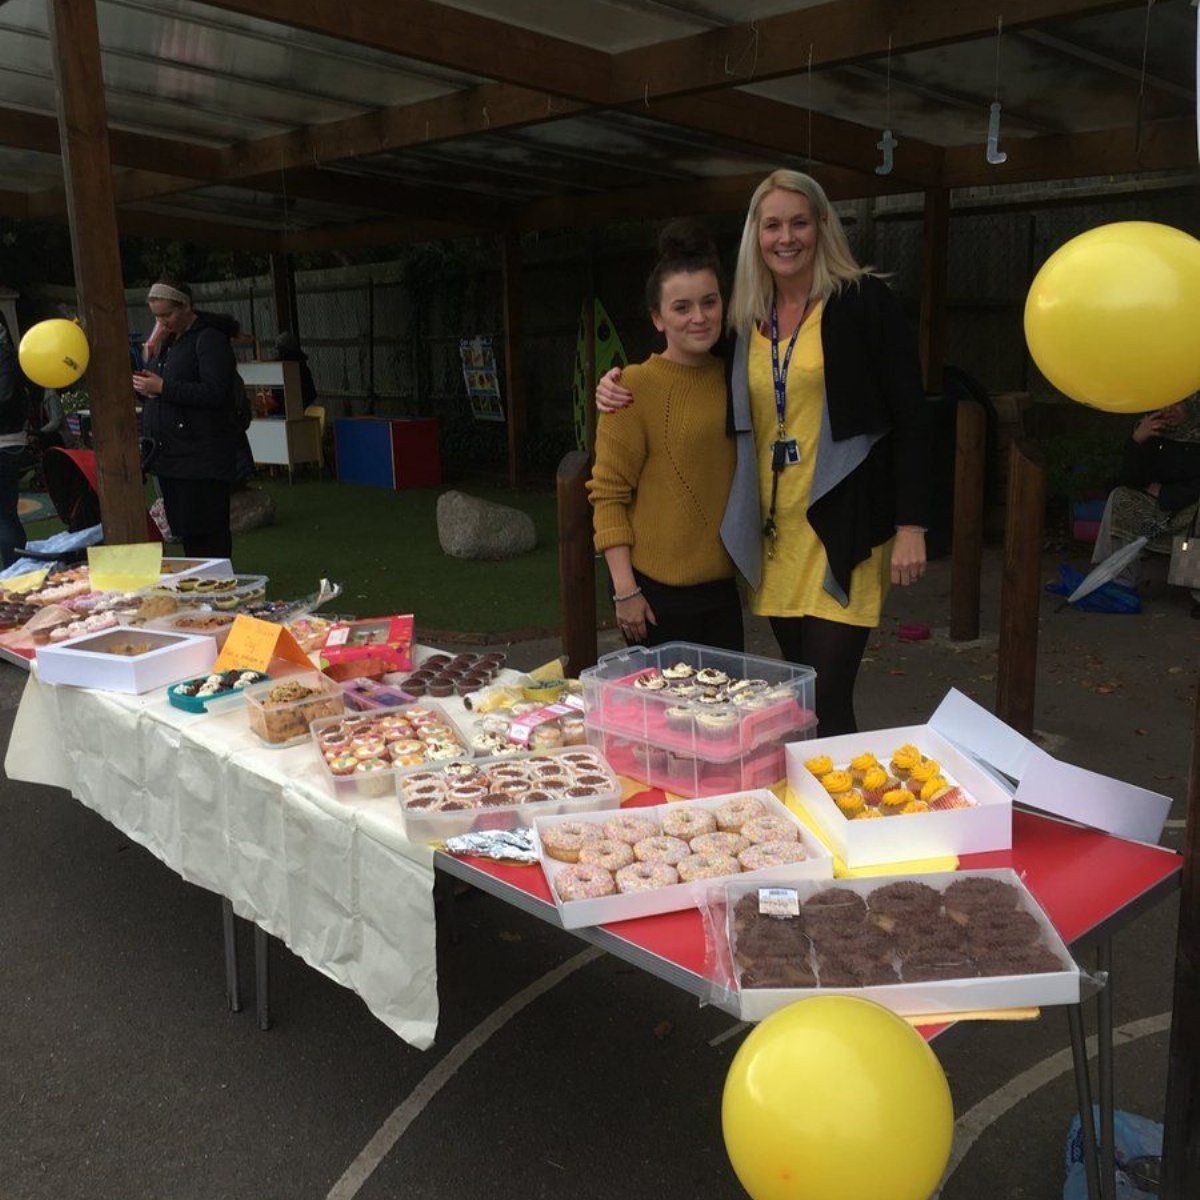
834	651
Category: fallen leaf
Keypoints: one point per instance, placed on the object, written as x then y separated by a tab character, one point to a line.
1105	690
896	671
1140	732
663	1029
507	935
987	678
1160	777
1174	670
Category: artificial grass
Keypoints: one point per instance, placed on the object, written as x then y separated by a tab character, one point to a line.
382	547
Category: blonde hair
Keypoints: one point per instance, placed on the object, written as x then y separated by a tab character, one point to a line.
833	264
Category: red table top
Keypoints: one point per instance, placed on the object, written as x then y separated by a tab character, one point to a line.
1081	877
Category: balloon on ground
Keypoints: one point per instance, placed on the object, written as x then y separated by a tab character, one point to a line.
1110	319
837	1098
54	354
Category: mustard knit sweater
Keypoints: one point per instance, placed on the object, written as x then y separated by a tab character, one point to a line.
663	470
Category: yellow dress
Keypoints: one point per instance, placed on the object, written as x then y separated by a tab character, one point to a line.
793	580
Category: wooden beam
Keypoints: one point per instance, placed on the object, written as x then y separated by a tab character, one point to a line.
514	364
826	35
785	128
82	118
576	562
728	193
449	37
1164	145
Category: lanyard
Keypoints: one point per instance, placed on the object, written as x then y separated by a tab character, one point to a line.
778	374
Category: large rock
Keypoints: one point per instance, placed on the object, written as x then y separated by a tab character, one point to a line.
250	509
473	528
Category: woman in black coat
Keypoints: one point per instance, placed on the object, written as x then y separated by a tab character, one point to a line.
188	418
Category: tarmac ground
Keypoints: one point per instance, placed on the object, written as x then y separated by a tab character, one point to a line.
557	1070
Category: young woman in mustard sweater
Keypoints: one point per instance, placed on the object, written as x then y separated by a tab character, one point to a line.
664	465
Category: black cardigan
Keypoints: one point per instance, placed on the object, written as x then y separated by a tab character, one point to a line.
1175	466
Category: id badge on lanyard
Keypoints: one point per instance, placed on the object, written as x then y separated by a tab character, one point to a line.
785	451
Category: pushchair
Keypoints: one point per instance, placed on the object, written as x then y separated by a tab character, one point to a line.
70	478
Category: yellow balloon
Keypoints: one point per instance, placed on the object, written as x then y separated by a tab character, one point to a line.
54	353
837	1098
1111	317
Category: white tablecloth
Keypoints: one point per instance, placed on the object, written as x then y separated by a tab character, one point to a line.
337	882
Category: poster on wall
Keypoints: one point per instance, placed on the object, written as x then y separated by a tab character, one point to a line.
479	374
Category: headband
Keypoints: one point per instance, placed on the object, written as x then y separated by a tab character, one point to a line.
164	291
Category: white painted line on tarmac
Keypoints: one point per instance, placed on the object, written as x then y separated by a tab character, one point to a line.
975	1121
394	1128
732	1031
1175	825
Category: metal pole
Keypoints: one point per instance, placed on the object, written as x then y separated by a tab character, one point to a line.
576	562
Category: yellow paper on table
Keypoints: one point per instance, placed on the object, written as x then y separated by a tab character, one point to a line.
916	866
252	644
983	1014
26	582
125	568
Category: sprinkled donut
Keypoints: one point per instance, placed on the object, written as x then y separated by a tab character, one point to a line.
583	882
642	876
625	827
771	854
688	823
770	829
669	850
733	814
607	853
564	841
707	866
719	843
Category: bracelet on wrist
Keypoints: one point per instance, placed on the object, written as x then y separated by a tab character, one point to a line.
637	591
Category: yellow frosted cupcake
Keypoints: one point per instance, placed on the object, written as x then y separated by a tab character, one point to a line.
837	781
868	814
932	788
904	759
875	782
921	774
892	803
915	806
821	765
862	764
850	803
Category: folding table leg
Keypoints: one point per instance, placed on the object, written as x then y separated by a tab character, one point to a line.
262	971
1107	1100
1083	1095
229	936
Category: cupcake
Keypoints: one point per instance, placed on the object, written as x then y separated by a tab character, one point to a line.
819	766
711	677
860	765
716	726
679	718
931	788
868	814
678	672
903	761
850	803
921	774
837	781
876	781
915	806
894	802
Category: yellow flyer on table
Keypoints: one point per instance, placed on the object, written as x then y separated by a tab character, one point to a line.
27	582
252	644
124	568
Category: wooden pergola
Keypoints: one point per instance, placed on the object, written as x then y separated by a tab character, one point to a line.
281	126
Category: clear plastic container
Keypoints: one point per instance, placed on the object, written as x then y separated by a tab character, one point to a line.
411	737
764	703
192	621
281	711
688	774
429	823
219	594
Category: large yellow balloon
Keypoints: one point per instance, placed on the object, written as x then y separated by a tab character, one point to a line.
1111	318
837	1098
54	353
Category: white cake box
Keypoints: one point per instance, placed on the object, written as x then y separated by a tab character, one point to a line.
576	914
994	765
94	659
973	994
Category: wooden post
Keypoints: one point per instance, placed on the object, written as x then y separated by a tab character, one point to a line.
1021	591
576	562
933	286
1181	1131
283	281
514	373
83	138
970	435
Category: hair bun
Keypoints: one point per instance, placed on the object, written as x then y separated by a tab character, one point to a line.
685	238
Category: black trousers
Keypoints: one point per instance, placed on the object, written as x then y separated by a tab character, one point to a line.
835	652
198	513
708	614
